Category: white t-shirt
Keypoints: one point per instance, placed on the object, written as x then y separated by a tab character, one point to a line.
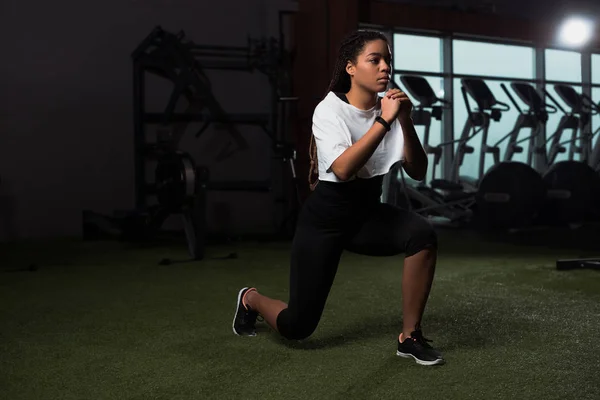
336	125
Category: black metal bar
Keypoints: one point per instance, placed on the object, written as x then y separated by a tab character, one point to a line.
488	78
173	99
448	117
554	101
578	263
419	32
143	46
540	158
466	99
486	39
503	86
591	105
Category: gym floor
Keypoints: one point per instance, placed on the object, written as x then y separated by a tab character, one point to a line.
103	320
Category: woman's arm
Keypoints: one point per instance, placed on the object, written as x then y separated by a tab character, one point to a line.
357	155
415	159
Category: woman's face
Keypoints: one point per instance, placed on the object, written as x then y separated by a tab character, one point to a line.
372	68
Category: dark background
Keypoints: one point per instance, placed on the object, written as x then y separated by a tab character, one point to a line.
66	127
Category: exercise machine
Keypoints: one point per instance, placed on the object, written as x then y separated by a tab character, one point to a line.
510	193
573	185
443	198
168	180
595	156
536	118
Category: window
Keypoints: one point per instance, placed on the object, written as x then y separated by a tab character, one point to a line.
491	62
422	55
562	65
596	68
489	59
417	53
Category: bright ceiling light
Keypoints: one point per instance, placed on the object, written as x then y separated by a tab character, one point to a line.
576	32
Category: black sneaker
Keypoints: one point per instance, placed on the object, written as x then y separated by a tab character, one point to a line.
416	346
244	318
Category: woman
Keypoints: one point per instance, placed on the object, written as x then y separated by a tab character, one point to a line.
357	138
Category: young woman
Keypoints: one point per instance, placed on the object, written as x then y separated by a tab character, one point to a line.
357	138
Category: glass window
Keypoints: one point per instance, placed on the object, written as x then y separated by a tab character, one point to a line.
490	59
498	131
596	68
563	65
417	53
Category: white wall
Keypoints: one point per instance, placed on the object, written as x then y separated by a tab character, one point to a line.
66	127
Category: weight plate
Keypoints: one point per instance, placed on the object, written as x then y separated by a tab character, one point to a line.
573	192
510	195
175	180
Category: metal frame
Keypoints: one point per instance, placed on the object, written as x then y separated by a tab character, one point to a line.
540	160
183	63
448	118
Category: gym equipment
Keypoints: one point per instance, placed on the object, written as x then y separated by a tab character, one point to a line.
429	106
183	63
578	263
509	194
478	122
180	188
535	118
595	156
443	199
586	107
595	160
175	179
178	185
573	185
577	120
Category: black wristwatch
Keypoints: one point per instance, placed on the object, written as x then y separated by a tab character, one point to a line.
384	123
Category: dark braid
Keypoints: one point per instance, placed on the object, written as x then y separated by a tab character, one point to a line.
350	48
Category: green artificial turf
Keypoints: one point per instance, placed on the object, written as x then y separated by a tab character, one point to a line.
100	320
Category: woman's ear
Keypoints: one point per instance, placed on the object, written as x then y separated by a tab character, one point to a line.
350	69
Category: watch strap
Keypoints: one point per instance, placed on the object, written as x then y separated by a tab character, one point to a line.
384	123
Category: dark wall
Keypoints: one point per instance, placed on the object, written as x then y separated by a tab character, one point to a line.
66	141
526	9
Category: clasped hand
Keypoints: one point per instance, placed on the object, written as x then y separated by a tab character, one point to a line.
395	104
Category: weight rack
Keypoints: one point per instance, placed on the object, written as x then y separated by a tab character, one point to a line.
183	62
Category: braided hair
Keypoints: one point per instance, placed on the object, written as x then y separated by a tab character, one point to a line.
350	48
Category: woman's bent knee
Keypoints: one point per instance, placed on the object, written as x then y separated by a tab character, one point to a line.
294	328
422	237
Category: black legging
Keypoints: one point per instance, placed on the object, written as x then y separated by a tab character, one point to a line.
337	217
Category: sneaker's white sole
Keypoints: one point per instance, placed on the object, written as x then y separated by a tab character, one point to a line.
237	305
438	361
